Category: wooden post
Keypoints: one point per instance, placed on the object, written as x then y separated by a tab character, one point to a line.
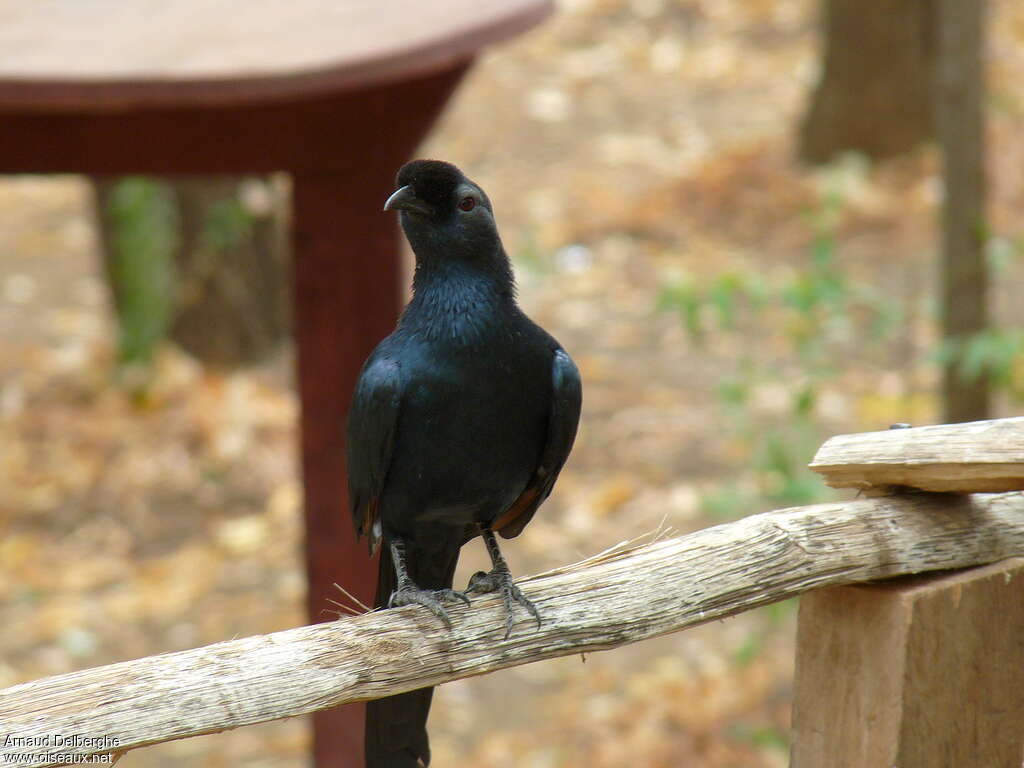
918	672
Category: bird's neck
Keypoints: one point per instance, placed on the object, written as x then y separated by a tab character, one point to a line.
461	301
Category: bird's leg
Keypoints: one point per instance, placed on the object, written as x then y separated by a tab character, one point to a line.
500	580
407	593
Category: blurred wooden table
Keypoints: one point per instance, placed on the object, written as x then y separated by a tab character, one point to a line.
339	94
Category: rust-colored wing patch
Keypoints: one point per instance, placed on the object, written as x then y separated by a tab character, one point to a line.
524	503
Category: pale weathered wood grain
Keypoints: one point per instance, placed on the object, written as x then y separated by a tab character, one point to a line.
976	457
600	604
924	671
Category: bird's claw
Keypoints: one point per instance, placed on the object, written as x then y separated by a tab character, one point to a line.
431	599
501	581
452	594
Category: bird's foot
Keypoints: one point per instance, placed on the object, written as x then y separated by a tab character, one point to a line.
501	581
431	599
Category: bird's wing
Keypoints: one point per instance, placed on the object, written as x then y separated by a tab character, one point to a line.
371	439
563	419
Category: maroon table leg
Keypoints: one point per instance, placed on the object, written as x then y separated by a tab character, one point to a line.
346	292
347	295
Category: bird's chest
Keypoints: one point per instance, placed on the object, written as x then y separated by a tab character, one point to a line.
481	393
472	425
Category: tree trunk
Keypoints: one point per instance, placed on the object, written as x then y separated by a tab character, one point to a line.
875	94
960	124
230	306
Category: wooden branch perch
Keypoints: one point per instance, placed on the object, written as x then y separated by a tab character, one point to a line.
612	599
980	456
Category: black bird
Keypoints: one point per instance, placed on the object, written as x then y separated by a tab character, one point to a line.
461	421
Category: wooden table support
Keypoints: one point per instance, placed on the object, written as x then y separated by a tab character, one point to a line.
918	672
336	94
346	295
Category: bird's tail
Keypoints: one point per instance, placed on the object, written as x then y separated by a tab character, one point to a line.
396	726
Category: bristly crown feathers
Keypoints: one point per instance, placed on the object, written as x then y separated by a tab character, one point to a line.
435	181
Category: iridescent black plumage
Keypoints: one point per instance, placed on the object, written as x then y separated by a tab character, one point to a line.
434	180
461	421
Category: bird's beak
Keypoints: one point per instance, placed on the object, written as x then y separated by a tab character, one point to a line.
404	199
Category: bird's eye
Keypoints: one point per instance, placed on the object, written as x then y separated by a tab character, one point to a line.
467	203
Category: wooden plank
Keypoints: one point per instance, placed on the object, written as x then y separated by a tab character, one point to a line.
925	671
977	457
107	56
617	598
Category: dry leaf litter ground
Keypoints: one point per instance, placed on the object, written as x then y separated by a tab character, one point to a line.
622	143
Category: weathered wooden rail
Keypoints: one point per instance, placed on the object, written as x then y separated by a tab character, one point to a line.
960	458
868	657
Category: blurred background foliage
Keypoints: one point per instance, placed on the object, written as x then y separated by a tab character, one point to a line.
820	317
729	305
200	262
818	314
140	220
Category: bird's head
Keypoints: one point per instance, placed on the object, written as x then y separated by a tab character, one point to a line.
444	214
